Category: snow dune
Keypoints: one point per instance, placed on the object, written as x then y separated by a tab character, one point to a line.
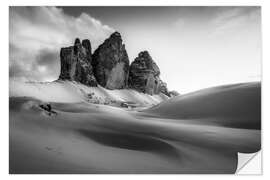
170	137
237	105
73	92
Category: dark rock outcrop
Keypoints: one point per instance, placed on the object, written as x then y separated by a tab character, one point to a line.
144	75
111	64
48	109
173	93
163	88
76	63
109	67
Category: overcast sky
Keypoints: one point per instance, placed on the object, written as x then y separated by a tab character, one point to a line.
195	47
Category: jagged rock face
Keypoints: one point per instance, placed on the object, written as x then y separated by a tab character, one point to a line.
76	63
163	88
174	93
111	64
144	75
109	67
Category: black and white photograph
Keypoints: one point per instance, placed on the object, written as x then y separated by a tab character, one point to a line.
134	89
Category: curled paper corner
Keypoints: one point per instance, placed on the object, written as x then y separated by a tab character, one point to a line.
249	163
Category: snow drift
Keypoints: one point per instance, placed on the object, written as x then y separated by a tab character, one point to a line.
85	137
237	105
72	92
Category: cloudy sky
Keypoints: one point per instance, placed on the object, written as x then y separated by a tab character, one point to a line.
195	47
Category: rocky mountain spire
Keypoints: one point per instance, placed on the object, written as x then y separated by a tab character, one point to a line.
109	66
144	75
111	63
76	63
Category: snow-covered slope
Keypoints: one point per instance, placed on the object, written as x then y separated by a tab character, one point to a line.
82	137
237	105
70	92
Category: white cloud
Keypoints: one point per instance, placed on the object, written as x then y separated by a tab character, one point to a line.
37	30
238	18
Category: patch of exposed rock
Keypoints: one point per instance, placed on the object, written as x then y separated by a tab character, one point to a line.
144	75
76	63
173	93
109	67
111	63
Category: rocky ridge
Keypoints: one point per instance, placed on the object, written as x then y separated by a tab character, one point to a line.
109	67
76	63
144	75
111	63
